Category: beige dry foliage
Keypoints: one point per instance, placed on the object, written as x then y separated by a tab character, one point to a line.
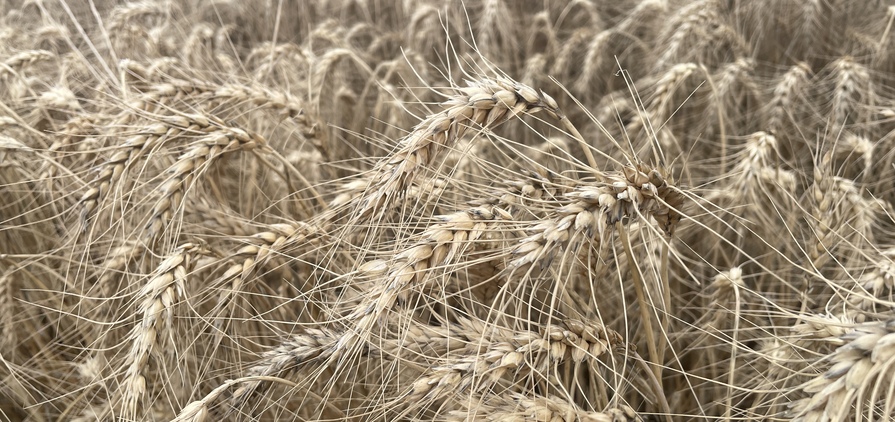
415	210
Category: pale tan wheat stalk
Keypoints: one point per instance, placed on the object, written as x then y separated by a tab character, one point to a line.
856	152
882	59
735	88
841	224
777	375
822	214
263	247
878	284
311	351
545	37
121	17
76	129
7	311
314	345
533	73
268	56
165	89
495	31
22	60
686	34
637	191
662	103
593	61
565	57
526	195
217	218
640	21
143	141
115	265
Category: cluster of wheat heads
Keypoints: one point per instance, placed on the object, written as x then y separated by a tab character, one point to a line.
572	210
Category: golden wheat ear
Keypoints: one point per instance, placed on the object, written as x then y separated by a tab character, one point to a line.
483	104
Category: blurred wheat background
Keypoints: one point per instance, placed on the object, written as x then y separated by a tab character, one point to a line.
412	210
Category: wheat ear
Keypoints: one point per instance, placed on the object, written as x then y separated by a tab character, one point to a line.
516	407
859	380
159	296
195	161
438	247
483	104
574	341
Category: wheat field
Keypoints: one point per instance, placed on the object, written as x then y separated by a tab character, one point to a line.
412	210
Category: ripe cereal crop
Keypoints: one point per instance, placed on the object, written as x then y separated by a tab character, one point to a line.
417	210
